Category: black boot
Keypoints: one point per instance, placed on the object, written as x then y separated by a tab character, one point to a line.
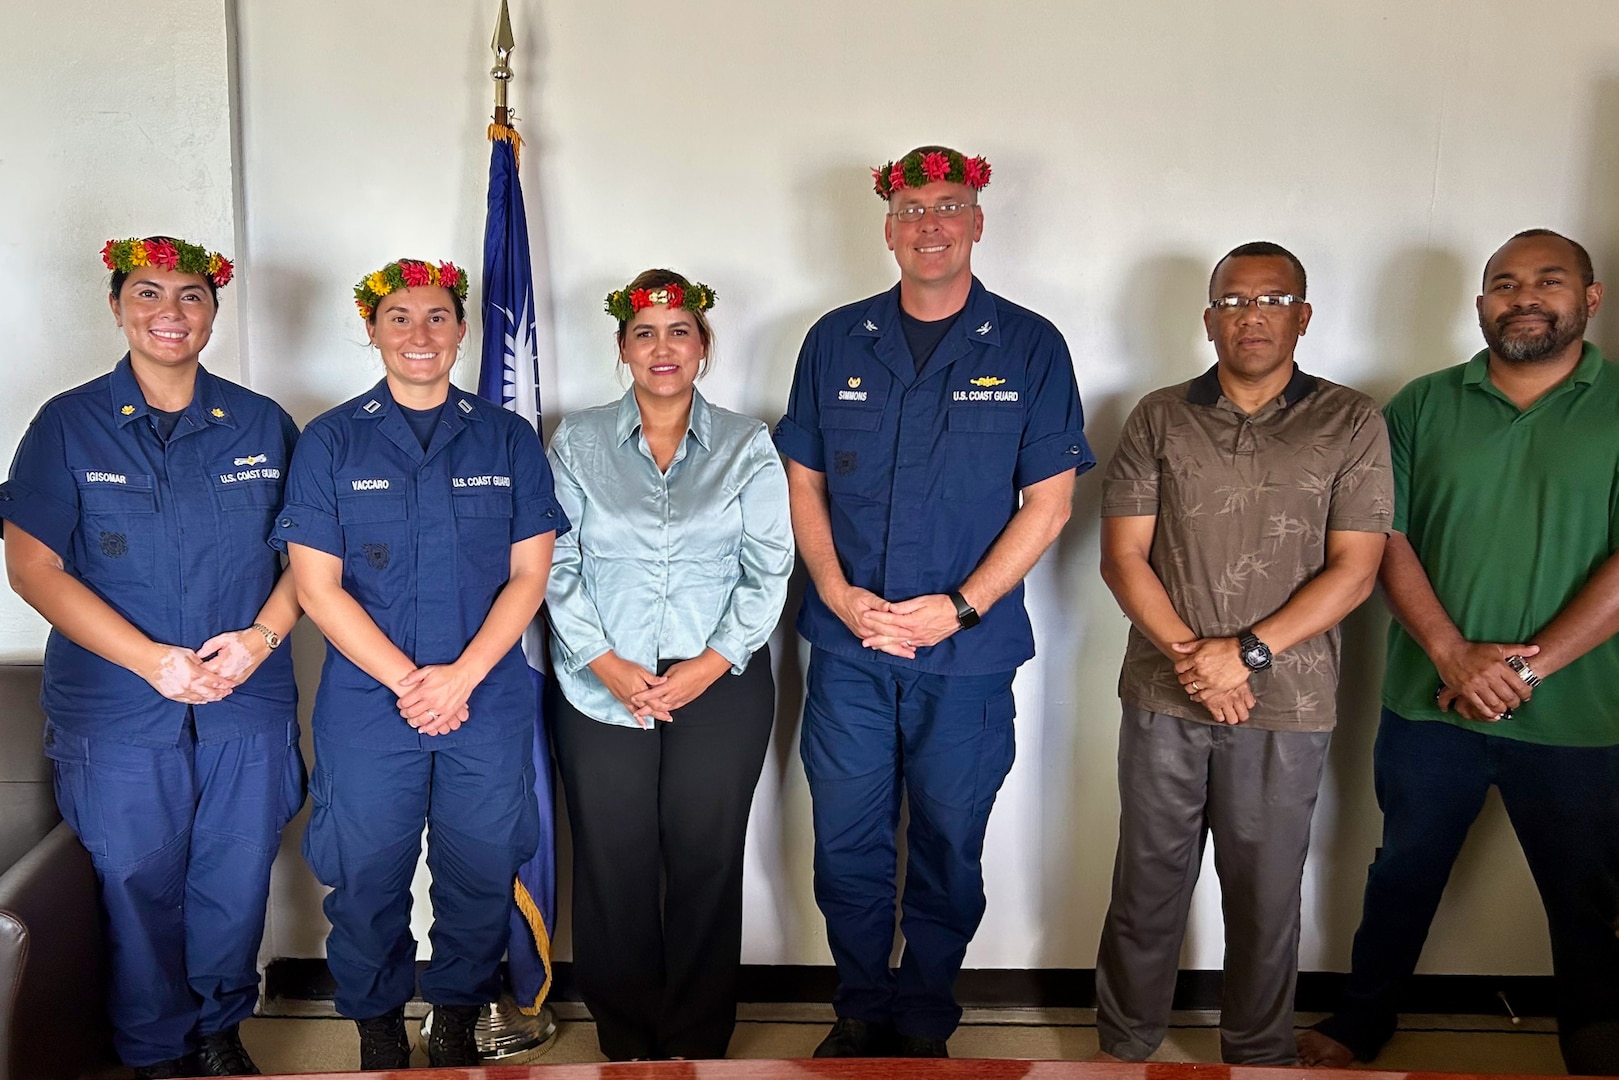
222	1054
383	1045
451	1043
851	1038
170	1069
919	1046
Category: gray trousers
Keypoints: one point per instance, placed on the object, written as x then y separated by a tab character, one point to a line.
1255	791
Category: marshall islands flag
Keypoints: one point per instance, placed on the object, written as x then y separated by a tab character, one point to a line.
509	376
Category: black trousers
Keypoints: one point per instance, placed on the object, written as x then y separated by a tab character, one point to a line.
659	818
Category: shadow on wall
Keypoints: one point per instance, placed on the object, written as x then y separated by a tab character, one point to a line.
1158	320
1600	223
1420	291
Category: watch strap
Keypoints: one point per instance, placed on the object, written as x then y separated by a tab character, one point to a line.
966	614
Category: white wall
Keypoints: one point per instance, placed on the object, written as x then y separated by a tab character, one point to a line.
1391	144
102	136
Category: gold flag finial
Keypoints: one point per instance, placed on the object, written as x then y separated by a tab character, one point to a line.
503	44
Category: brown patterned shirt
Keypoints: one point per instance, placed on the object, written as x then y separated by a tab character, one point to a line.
1244	504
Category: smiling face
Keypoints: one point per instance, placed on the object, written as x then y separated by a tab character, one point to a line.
663	347
417	332
168	316
1535	303
1252	341
934	252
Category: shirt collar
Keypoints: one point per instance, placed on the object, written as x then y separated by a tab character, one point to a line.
700	424
379	402
980	318
1205	389
207	406
1584	374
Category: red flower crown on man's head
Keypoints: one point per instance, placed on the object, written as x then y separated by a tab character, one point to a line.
929	165
167	253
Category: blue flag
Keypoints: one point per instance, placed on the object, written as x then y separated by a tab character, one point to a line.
509	376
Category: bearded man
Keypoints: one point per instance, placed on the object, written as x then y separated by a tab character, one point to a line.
1503	668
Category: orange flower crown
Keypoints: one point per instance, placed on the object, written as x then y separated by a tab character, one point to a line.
407	274
167	253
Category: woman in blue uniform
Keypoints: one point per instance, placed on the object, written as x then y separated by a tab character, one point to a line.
660	606
135	521
419	521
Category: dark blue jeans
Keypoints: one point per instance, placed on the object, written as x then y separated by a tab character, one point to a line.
1563	802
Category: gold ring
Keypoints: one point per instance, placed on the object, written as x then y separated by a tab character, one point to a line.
1195	686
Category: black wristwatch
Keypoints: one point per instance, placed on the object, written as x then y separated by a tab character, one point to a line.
1255	653
966	615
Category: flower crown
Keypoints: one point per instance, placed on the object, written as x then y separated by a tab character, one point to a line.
125	256
922	167
622	304
407	274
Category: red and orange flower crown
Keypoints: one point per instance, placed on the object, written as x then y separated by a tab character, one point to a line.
167	253
922	167
622	304
407	274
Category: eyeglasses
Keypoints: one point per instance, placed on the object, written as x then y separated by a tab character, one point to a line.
1263	302
913	215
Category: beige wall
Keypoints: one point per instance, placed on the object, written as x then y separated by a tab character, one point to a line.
1391	144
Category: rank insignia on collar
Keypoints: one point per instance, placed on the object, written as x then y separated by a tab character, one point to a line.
854	381
217	414
464	405
371	406
987	380
982	330
128	410
871	325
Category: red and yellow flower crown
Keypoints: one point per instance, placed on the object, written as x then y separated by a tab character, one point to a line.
167	253
929	165
622	304
407	274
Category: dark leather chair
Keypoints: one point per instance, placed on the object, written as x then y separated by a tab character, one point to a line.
53	1019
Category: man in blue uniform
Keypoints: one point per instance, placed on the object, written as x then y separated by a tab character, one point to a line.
933	435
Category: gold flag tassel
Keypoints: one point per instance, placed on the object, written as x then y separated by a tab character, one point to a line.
508	133
536	925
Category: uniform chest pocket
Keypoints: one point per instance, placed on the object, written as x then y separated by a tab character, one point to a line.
981	447
119	526
377	546
483	533
858	463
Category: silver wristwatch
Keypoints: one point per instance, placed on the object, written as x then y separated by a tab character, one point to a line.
271	638
1525	672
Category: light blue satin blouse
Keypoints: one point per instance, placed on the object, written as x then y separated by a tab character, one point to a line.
663	565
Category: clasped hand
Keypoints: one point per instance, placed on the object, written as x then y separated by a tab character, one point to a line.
1477	681
900	627
1212	673
433	698
649	696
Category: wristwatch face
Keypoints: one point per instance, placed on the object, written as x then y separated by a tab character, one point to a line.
1255	654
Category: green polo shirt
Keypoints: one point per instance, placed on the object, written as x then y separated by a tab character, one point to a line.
1510	512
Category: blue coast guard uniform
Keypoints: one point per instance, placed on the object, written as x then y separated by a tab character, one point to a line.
425	538
923	470
180	806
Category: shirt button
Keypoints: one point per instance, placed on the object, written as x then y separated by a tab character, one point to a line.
285	523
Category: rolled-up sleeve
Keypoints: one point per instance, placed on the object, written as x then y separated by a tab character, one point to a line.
310	514
1054	424
798	434
766	556
576	626
41	496
535	510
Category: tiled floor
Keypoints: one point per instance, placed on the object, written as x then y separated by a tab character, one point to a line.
1449	1044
